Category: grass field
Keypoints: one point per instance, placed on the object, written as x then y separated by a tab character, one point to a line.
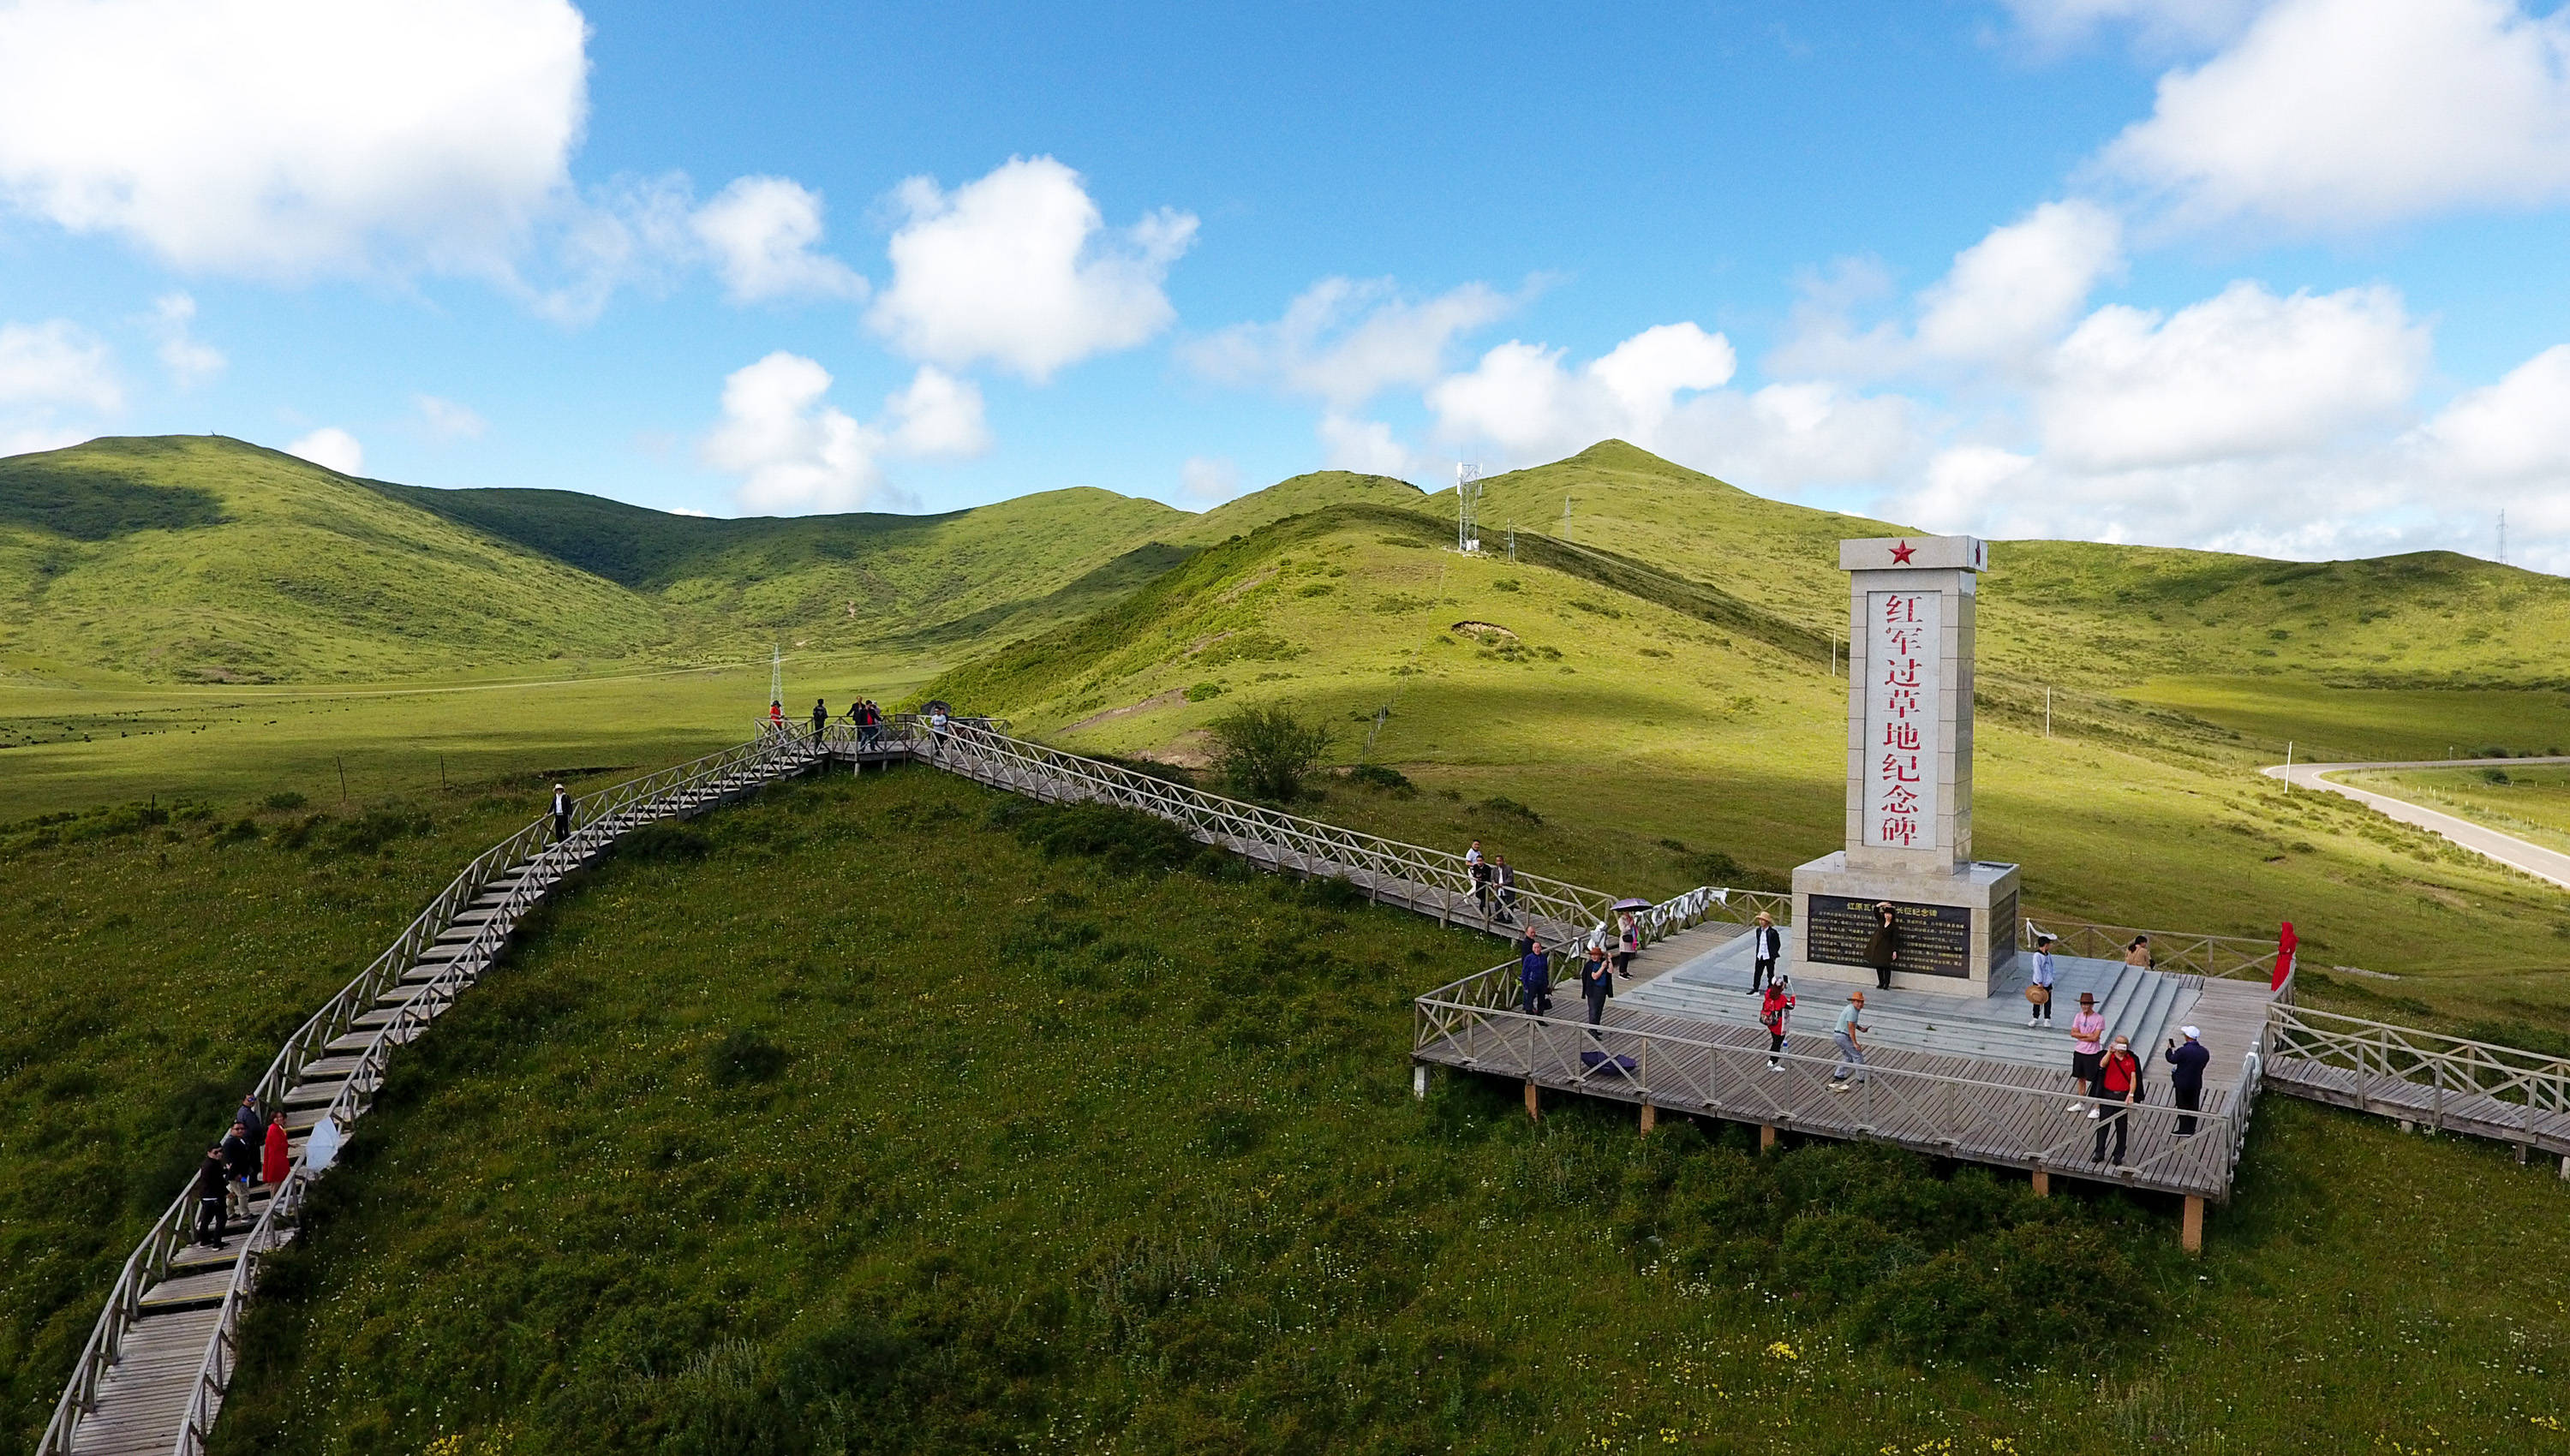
965	1147
2530	802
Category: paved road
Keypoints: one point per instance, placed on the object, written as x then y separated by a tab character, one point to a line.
2508	849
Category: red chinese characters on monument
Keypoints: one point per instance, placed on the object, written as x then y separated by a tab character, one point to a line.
1904	636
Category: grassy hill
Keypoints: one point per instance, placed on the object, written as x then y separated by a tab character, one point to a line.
208	560
1131	1163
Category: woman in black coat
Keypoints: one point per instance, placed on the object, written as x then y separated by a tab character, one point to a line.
1885	948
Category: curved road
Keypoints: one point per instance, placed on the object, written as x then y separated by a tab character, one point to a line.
2480	839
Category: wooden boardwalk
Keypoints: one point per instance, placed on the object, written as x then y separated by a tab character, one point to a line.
2004	1114
152	1377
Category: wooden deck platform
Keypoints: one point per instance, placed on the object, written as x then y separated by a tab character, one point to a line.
2436	1108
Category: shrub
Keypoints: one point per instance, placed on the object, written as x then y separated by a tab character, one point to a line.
370	832
1265	752
1389	779
1502	804
1127	840
284	798
1204	692
2495	775
1506	584
744	1058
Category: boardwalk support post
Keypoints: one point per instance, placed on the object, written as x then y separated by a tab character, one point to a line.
1651	1116
1419	1080
1767	1139
2190	1236
2042	1182
1535	1109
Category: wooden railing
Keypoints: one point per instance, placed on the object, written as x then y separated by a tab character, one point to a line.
1958	1116
2215	958
2509	1089
596	818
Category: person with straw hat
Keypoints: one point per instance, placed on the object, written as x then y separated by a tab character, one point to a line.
2088	1029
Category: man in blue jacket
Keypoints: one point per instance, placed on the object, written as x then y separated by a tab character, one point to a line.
2186	1078
1534	977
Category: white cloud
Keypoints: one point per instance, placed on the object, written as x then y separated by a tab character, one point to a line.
332	448
691	510
633	232
2156	25
1662	389
46	370
1345	340
796	451
1210	479
286	139
762	232
56	363
2514	431
2243	373
2014	292
1019	269
190	360
2338	115
1369	447
446	419
938	415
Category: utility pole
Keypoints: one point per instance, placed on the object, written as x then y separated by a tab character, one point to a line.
2289	766
1566	518
1512	540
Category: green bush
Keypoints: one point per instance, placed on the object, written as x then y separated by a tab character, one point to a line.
1204	692
742	1058
1502	804
1389	779
1265	752
1126	840
284	798
370	832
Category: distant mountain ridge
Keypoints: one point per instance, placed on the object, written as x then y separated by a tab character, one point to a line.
207	559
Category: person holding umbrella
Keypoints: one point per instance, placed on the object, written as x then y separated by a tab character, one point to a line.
1628	933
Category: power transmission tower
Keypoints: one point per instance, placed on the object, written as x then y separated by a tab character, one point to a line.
1566	518
776	673
1468	495
2502	538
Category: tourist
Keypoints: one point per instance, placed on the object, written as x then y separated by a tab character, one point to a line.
2119	1081
1884	946
562	813
241	1164
1773	1011
2085	1031
820	720
1850	1053
249	1116
1504	880
869	722
776	712
1766	948
322	1148
2039	990
1480	870
1629	942
2186	1077
937	719
2139	952
212	1187
276	1156
1534	977
1597	983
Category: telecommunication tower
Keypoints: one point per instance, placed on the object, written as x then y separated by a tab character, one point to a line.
775	674
1468	496
2502	538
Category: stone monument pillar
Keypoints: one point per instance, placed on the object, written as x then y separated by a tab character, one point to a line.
1910	782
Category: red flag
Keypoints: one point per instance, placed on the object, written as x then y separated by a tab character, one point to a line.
2285	945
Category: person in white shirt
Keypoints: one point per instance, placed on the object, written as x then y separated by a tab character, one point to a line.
2039	1008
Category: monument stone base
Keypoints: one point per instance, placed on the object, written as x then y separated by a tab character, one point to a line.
1956	928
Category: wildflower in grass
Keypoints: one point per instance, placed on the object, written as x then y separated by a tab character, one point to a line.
1783	1351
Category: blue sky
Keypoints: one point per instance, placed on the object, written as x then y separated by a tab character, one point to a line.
2276	276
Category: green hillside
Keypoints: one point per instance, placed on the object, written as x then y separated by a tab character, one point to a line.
208	560
843	579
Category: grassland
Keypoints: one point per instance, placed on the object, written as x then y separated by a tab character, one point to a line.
2530	800
851	1121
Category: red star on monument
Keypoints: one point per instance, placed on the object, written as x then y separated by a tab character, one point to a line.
1901	552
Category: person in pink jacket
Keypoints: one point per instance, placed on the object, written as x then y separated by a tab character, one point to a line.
2087	1030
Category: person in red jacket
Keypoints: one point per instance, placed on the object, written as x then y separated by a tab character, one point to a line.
274	1159
1772	1013
2120	1078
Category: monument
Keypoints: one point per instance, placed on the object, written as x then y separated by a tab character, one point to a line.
1910	782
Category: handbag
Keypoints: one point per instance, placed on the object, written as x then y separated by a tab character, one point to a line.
2039	996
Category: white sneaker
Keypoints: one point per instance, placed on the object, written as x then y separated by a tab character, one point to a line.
2092	1114
1774	1065
2029	1021
2075	1106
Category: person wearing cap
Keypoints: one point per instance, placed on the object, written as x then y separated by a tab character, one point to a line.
2085	1029
2119	1081
1850	1053
562	813
2038	998
1766	948
2185	1076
